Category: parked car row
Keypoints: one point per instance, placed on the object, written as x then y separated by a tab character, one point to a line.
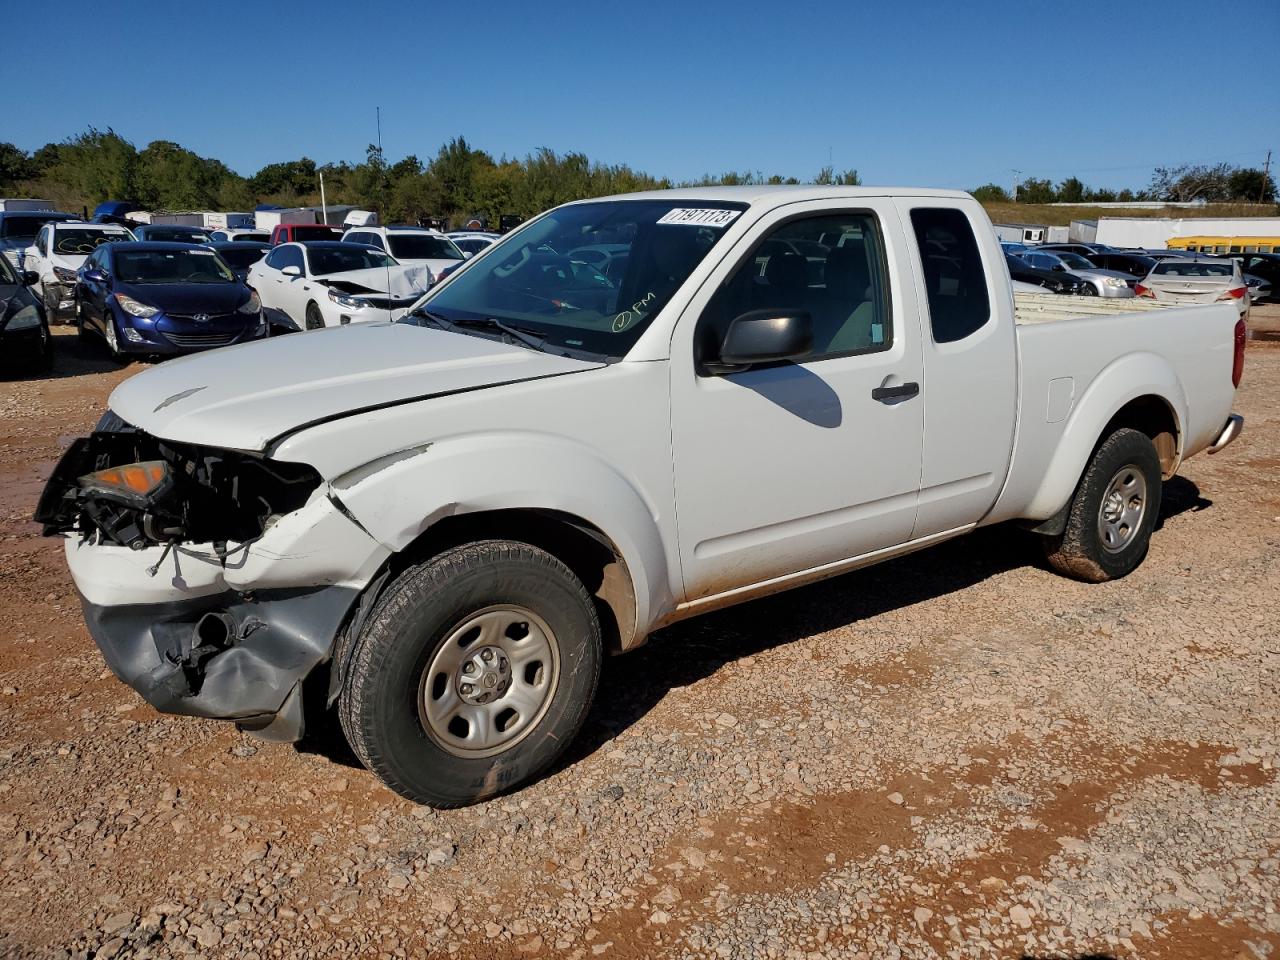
1098	270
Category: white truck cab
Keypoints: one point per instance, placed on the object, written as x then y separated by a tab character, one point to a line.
439	526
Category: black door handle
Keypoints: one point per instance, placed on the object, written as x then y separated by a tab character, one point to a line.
903	392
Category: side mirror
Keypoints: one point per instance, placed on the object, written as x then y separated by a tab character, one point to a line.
1059	268
94	275
291	270
30	278
467	255
764	336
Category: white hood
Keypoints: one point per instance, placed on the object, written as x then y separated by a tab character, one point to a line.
246	396
399	281
68	261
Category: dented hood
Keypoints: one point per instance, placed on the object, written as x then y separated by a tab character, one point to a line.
398	281
246	396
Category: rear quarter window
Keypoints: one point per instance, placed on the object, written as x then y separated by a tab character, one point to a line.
955	278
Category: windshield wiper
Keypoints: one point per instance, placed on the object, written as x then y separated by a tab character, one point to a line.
528	338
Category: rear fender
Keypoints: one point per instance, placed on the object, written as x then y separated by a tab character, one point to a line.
399	497
1122	381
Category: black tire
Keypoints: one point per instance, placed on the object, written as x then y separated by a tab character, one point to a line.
50	306
111	338
1086	290
314	319
44	360
408	628
1080	551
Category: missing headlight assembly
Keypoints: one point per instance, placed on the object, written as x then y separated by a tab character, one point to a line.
135	490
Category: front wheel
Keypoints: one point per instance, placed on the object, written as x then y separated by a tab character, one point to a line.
1112	513
473	674
315	320
1086	290
113	341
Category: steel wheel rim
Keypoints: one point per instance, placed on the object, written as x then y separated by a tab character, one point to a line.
1123	508
490	683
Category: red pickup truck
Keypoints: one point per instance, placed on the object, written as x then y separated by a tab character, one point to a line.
292	232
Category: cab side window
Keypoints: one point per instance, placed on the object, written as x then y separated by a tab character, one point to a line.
955	279
831	267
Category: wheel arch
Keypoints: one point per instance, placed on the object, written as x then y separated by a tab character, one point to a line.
1140	391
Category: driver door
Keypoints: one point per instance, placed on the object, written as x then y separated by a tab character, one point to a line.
792	466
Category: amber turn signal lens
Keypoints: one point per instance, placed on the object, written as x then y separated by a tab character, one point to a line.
138	479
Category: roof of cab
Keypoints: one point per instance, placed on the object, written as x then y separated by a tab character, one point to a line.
783	193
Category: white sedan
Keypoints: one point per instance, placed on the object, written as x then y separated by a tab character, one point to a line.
428	248
330	283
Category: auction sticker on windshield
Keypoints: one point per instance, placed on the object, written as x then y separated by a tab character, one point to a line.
700	217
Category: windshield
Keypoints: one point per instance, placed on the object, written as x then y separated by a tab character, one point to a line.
1075	261
171	266
1188	268
176	235
305	232
347	257
422	246
243	256
76	242
534	282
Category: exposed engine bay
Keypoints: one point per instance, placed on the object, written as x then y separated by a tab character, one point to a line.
126	487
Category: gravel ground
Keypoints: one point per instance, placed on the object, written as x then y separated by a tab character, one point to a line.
955	754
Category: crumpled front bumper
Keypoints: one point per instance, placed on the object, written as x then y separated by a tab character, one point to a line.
229	637
272	641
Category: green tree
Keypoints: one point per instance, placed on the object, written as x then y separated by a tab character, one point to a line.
286	180
1249	185
990	193
1035	191
15	165
170	177
1071	190
98	165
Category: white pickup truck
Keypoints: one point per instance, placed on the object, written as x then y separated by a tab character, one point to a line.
438	526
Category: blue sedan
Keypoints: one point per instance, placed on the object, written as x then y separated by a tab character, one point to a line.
164	299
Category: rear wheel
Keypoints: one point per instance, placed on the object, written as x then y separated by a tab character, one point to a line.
1112	513
473	674
315	320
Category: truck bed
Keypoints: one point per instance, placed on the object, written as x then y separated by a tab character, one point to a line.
1048	307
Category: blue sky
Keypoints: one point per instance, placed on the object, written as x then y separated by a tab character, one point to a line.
938	94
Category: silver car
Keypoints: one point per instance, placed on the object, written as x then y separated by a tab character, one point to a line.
1197	280
1105	283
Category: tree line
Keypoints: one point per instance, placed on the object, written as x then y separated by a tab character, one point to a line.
1216	183
458	183
461	182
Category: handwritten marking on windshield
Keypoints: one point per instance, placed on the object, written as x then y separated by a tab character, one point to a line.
623	320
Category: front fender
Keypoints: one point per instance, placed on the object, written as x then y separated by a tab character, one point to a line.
399	497
1120	382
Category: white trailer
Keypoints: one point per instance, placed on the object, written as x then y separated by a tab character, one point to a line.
11	204
217	220
270	219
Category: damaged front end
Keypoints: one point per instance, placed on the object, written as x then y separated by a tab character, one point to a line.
214	581
127	488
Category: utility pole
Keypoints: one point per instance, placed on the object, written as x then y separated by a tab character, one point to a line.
1266	178
324	207
1017	176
